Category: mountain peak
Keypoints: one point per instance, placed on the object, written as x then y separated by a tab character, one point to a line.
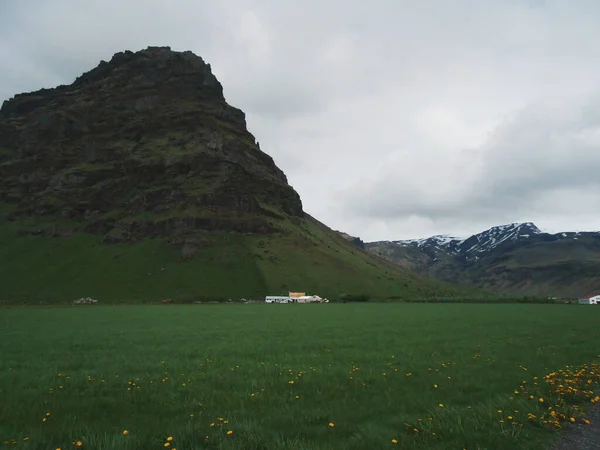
154	64
143	70
521	227
498	235
485	241
516	257
142	145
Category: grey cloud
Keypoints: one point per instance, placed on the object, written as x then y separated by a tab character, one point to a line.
289	98
64	38
541	161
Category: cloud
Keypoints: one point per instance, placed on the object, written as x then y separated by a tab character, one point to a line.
391	119
543	161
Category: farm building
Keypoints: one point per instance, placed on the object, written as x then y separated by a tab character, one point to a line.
276	299
590	300
296	297
301	297
308	299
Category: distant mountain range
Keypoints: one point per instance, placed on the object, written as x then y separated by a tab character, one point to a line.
516	258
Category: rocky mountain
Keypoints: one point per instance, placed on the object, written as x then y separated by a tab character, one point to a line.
142	145
354	239
516	258
139	181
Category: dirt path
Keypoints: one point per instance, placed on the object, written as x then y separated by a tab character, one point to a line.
580	436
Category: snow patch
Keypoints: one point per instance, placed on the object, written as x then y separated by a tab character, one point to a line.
437	240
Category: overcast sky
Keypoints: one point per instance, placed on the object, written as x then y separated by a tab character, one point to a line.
393	119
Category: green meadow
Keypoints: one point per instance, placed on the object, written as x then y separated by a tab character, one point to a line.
325	376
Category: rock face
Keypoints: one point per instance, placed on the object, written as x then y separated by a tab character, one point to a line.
355	240
515	258
143	145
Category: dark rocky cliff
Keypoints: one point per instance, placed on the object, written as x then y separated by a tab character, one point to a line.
143	145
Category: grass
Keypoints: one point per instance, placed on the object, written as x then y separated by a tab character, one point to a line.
327	376
64	269
305	257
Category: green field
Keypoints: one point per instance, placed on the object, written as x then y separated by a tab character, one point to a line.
329	376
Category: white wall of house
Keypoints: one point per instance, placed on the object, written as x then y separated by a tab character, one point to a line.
309	299
294	299
276	299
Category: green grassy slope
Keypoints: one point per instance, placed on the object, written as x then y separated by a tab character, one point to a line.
305	256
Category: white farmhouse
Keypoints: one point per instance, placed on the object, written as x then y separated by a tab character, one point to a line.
590	300
309	299
295	297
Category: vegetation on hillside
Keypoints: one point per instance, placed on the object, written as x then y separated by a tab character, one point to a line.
304	256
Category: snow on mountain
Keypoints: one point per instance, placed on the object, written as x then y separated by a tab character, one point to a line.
439	239
495	236
475	247
512	258
478	243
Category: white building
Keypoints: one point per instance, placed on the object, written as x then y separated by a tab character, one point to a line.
295	297
309	299
590	300
276	299
301	297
